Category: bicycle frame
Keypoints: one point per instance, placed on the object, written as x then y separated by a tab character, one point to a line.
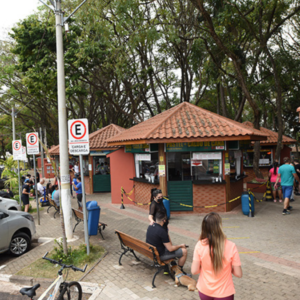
57	282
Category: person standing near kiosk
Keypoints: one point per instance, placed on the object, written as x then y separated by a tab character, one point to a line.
287	174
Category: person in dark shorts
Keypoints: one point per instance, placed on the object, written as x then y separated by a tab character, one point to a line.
158	236
156	206
78	188
25	194
287	174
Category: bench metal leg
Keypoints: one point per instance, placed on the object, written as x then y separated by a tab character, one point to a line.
125	251
100	231
76	225
134	255
49	208
56	213
157	272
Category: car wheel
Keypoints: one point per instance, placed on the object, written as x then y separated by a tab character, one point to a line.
19	244
13	208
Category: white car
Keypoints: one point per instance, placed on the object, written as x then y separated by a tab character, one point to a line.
9	204
17	229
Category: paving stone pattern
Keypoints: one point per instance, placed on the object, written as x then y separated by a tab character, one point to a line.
268	246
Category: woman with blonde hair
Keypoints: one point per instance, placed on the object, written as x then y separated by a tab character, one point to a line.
215	258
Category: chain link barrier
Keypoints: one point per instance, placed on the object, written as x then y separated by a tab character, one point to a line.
123	192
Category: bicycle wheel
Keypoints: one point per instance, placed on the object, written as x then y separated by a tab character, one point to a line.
71	291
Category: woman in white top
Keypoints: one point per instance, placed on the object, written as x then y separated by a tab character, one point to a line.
76	168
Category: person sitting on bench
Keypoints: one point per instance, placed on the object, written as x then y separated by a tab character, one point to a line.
157	235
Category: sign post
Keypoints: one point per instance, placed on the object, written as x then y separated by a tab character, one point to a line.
79	145
17	154
32	143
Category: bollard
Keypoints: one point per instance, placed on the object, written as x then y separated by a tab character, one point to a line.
122	204
251	215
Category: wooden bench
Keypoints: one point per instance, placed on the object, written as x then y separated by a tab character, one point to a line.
53	204
131	244
79	218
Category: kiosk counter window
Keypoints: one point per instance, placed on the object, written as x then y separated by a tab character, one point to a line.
187	166
146	165
265	158
207	166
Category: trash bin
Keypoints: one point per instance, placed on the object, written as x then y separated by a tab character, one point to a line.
245	203
93	211
166	203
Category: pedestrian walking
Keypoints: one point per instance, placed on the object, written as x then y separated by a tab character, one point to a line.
25	194
216	259
273	176
287	174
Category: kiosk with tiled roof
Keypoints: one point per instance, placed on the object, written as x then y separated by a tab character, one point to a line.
185	151
95	179
267	154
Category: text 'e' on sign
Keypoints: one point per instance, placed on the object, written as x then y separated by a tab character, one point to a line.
32	143
17	149
78	137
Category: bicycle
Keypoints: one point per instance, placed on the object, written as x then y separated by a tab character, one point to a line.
60	290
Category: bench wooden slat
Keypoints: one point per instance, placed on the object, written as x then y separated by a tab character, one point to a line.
79	218
139	246
131	244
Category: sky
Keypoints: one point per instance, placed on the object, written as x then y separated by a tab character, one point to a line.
12	11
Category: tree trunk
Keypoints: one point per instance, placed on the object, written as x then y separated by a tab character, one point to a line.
218	99
222	98
278	103
256	149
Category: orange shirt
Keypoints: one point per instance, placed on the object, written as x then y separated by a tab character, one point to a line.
211	284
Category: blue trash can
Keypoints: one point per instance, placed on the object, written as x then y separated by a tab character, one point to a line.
93	211
166	203
245	203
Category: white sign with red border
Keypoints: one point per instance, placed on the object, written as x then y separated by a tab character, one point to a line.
32	143
78	137
17	149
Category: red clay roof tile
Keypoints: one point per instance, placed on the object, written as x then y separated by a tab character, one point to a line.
272	135
185	121
97	139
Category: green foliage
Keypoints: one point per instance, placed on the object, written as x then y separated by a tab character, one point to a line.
76	256
10	165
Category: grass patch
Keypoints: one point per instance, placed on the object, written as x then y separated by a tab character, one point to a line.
42	268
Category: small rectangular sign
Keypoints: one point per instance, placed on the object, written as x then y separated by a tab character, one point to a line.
32	143
143	157
78	131
161	170
17	149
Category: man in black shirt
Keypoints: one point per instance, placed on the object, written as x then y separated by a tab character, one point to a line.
157	235
25	194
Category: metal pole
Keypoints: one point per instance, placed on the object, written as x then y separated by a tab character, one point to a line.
42	152
14	137
63	128
86	233
35	187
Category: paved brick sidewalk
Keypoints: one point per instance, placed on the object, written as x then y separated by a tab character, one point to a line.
268	246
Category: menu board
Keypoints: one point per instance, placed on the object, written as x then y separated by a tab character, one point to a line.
141	148
195	146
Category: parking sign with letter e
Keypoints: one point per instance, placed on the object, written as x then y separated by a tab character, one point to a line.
32	143
78	137
17	149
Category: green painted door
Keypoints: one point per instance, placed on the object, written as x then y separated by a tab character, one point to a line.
101	183
180	192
